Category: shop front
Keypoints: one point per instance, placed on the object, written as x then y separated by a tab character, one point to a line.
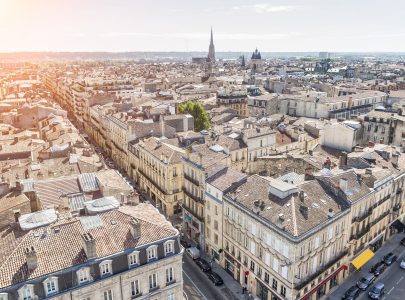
321	289
193	228
262	291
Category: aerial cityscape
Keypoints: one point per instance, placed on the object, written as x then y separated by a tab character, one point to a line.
178	150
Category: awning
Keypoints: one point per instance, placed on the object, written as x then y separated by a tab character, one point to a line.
398	225
362	259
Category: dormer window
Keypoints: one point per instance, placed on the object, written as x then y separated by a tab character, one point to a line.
133	258
169	247
26	292
152	252
3	296
106	267
51	285
83	275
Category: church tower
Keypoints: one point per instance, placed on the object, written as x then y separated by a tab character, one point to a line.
211	50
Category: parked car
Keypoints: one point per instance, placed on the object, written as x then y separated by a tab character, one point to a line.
378	268
402	264
377	291
365	282
390	258
203	264
403	241
215	278
351	293
193	252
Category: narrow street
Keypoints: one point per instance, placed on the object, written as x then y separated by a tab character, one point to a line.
393	278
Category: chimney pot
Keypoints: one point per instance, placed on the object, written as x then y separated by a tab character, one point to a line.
135	228
89	245
31	257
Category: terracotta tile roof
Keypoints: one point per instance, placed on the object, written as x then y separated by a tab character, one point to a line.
60	249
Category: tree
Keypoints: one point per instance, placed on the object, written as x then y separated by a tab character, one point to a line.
194	108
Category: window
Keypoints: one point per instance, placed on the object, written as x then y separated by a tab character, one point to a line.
152	253
26	292
171	297
108	295
106	267
252	265
153	281
283	291
169	247
133	258
50	285
83	275
3	296
274	284
135	288
169	275
215	224
266	277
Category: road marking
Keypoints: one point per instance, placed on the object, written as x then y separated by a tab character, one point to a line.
195	285
389	292
400	280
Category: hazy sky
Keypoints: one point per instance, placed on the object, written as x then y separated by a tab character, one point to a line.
184	25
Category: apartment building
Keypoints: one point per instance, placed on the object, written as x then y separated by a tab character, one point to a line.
237	100
285	241
342	107
217	185
199	163
384	127
158	169
126	253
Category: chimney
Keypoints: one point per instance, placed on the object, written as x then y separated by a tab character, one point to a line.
32	259
17	214
343	159
369	171
301	196
331	213
135	228
200	158
343	184
308	174
89	245
394	159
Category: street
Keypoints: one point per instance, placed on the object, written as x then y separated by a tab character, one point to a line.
393	278
196	283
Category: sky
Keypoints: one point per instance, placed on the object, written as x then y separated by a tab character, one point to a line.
184	25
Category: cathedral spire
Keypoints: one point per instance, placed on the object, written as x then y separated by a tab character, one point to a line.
211	49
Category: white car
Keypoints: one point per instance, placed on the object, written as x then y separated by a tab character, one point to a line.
402	264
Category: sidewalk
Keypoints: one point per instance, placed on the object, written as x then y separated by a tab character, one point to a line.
392	245
231	287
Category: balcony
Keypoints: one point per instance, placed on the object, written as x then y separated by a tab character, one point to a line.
322	269
364	216
195	198
380	217
191	179
361	233
382	201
